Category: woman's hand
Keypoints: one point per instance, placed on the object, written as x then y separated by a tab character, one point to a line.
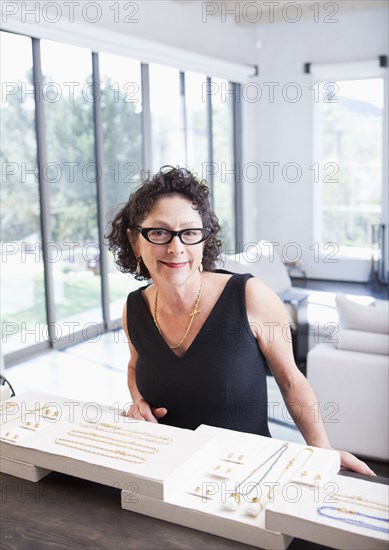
351	462
141	410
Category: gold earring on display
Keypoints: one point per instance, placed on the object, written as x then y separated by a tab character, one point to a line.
138	260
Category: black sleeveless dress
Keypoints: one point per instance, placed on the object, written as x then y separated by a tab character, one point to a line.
219	381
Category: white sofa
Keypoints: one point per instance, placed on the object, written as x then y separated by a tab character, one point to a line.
352	384
352	390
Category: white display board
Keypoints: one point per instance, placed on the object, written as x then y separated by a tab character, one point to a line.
86	441
226	488
337	511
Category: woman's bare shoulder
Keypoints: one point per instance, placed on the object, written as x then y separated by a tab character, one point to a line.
262	300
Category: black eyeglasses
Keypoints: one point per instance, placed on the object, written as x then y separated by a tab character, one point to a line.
157	235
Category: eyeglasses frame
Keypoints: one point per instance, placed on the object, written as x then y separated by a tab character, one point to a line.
144	230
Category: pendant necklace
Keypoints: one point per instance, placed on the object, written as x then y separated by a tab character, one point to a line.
192	315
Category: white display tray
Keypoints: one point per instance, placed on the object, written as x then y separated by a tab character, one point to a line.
182	506
301	519
38	448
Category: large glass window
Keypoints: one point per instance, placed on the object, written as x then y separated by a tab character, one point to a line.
68	95
120	80
196	117
350	128
22	287
183	130
223	157
167	124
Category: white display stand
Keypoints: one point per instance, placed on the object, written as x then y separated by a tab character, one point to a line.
39	447
208	471
298	515
22	469
192	478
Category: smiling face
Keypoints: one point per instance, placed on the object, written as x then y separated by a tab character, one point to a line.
174	262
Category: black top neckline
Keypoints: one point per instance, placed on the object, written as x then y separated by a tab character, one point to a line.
208	319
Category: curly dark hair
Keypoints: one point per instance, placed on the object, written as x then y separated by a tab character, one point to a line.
168	181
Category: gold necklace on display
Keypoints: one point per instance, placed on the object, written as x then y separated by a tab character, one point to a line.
276	455
140	447
255	506
115	452
192	315
289	465
366	503
144	436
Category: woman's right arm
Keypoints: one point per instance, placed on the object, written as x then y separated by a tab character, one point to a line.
140	409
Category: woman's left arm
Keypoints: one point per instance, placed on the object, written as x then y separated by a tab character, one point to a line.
268	319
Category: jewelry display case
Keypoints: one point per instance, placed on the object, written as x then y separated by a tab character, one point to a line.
240	486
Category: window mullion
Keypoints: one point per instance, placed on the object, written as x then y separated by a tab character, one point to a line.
100	186
210	177
44	192
237	145
184	120
146	118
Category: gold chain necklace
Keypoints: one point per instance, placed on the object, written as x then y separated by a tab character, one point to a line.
191	315
144	436
148	449
75	445
289	465
366	503
255	505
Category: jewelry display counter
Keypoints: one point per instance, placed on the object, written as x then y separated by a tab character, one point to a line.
218	481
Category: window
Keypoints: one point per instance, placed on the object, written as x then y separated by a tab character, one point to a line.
99	116
180	135
71	174
350	136
120	81
22	286
196	120
223	157
166	105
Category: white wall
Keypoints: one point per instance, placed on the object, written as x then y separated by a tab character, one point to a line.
282	131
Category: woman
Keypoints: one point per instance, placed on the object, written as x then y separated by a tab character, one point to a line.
199	337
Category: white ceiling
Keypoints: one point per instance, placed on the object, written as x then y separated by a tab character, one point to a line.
258	11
